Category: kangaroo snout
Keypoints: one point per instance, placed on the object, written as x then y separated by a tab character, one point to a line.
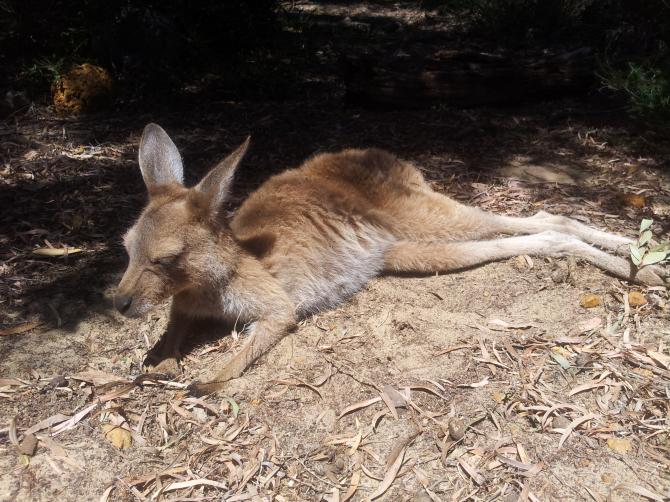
122	303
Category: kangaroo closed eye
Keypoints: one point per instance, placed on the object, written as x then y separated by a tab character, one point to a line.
165	260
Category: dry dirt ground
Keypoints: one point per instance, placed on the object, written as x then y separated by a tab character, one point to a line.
493	383
490	384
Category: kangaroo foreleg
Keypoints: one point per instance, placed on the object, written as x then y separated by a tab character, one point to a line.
265	333
164	357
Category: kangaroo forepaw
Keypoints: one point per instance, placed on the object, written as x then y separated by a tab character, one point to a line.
200	389
168	366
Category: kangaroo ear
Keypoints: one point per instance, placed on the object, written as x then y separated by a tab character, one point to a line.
216	185
159	158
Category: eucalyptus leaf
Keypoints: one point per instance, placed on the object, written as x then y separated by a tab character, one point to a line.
644	237
654	257
635	254
562	361
235	408
646	223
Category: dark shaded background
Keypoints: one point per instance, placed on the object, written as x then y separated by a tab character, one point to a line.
176	49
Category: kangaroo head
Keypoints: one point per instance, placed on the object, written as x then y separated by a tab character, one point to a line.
180	240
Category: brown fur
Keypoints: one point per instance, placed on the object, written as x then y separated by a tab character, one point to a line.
309	238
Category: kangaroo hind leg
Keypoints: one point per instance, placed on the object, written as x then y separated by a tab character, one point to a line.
427	257
429	216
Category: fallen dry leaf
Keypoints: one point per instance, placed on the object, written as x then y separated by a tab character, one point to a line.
30	155
296	382
500	325
481	383
586	326
634	200
390	476
56	251
48	422
643	372
575	423
353	486
588	301
358	406
587	386
636	299
194	482
620	445
389	401
471	471
498	396
117	435
641	490
19	328
660	358
97	377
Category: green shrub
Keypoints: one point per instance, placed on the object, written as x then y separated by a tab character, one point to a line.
646	87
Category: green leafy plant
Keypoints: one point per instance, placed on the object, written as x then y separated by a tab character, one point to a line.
646	87
642	253
44	70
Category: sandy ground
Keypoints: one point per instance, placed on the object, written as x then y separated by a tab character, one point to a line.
391	334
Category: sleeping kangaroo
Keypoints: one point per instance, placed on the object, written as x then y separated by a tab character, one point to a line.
309	238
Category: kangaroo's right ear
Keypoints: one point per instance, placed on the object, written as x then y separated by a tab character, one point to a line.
159	158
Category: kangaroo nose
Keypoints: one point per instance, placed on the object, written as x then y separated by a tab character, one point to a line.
122	303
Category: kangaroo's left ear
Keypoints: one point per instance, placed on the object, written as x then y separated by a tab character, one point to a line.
159	158
216	184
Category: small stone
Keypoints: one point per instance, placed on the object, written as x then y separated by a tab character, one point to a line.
329	419
457	429
561	274
57	381
498	397
607	478
28	445
589	300
340	464
200	415
584	360
636	299
560	422
520	263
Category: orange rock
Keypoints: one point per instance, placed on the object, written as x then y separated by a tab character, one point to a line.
589	301
84	88
635	299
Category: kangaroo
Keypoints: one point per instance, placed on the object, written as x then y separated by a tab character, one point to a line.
309	238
